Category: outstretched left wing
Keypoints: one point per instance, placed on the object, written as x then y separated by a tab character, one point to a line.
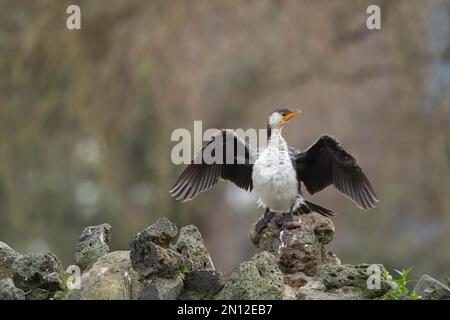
325	163
200	176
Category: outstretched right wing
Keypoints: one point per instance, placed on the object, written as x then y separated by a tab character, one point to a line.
202	174
326	163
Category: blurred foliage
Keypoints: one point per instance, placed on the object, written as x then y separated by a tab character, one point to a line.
86	116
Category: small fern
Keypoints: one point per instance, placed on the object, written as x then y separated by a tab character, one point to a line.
398	289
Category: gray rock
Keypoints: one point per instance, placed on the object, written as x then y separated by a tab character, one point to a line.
162	233
159	288
190	245
300	247
344	282
7	257
208	282
92	244
110	278
257	279
431	289
150	259
316	291
39	271
39	294
338	276
9	292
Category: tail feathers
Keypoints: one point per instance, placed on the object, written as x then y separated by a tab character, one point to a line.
308	207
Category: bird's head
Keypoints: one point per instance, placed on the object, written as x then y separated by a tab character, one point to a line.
279	117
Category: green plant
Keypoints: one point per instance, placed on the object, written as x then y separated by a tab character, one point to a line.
398	289
183	271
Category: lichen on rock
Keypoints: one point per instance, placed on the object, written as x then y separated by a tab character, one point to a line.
158	288
110	278
300	247
162	233
190	244
92	244
7	257
39	274
8	290
346	281
429	288
257	279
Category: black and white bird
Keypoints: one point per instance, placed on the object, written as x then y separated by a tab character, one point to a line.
276	172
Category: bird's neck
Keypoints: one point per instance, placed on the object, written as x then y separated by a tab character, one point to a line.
276	140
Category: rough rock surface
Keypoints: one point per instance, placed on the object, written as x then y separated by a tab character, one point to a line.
151	259
162	233
204	281
202	285
9	292
257	279
39	274
7	257
300	247
151	254
190	245
431	289
309	270
110	278
92	244
159	288
344	282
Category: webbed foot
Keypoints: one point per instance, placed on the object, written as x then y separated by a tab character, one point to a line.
264	221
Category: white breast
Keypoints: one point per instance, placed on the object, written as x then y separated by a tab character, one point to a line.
275	179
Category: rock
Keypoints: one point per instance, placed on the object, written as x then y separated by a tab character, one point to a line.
159	288
110	278
431	289
339	282
7	257
338	276
207	282
162	233
295	280
316	291
257	279
9	292
151	259
190	245
41	271
300	248
92	244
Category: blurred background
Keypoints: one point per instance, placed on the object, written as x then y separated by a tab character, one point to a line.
86	117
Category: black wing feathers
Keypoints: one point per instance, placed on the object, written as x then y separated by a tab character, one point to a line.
325	163
200	176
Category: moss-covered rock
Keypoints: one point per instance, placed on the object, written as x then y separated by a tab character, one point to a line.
7	257
39	274
150	259
190	244
431	289
157	288
8	290
162	233
257	279
110	278
301	246
92	244
345	282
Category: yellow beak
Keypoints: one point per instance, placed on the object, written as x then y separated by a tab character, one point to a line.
289	116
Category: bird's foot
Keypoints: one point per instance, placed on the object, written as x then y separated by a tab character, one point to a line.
263	221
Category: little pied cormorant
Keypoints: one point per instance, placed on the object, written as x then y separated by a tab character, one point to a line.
276	172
